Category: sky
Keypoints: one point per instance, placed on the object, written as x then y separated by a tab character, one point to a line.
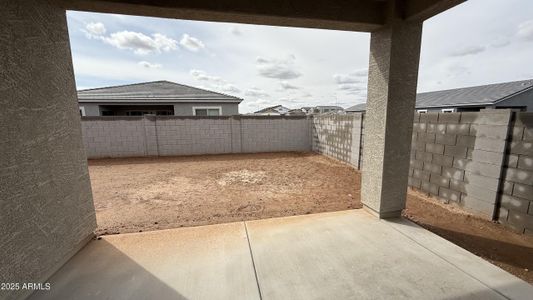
478	42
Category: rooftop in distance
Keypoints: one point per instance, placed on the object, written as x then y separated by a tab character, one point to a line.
504	95
154	91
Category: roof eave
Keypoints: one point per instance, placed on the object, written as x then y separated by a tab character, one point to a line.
513	94
159	100
454	105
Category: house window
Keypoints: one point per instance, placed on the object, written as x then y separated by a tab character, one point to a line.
448	110
164	113
207	111
137	113
82	111
421	111
108	113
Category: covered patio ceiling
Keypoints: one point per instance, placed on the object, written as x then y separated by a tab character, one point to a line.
354	15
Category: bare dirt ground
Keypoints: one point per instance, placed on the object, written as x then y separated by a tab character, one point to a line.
141	194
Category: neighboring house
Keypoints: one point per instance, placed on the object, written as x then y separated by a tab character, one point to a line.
296	112
280	110
157	98
517	95
321	109
361	107
277	110
307	109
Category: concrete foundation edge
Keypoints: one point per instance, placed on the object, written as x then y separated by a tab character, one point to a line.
383	215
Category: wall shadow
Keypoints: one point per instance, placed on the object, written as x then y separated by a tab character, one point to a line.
196	158
101	271
492	249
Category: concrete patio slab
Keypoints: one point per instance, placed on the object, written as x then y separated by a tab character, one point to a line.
338	255
353	255
208	262
490	275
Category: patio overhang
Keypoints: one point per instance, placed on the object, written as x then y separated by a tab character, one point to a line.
359	15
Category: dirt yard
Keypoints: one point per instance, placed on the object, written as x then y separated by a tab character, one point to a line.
141	194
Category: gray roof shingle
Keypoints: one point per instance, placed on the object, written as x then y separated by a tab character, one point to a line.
357	108
155	91
477	95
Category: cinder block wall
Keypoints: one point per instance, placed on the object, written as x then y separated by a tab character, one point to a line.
517	200
165	136
458	157
275	134
339	137
189	136
116	137
483	161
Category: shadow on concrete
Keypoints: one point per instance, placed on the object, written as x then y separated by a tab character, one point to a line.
488	248
101	271
505	292
196	158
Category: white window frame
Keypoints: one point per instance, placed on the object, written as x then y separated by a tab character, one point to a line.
82	110
194	108
448	110
421	111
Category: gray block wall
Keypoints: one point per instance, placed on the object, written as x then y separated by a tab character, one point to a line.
458	157
517	200
275	134
339	137
483	161
121	137
166	136
47	213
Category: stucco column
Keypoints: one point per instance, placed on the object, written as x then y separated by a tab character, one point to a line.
392	80
47	211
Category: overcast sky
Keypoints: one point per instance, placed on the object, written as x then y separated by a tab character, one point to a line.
478	42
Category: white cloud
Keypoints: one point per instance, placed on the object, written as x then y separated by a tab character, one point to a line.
256	92
360	73
357	76
130	40
94	30
352	88
140	43
500	42
346	78
353	83
214	82
277	68
230	88
525	30
149	65
470	50
287	86
203	76
191	43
